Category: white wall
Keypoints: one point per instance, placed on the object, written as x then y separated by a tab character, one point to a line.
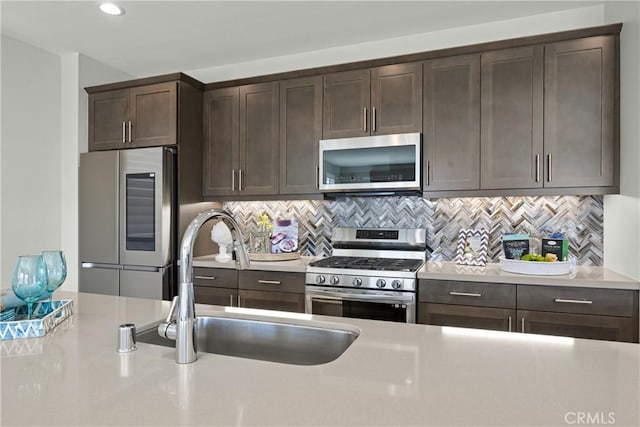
78	72
499	30
622	212
31	153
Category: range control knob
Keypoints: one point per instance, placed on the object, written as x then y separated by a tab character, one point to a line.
381	283
396	284
334	280
357	282
320	279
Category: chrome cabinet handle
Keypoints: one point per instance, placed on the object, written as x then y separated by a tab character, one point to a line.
130	137
509	323
537	167
230	300
269	282
373	119
233	180
239	179
573	301
465	294
364	119
522	325
549	166
124	132
206	277
427	171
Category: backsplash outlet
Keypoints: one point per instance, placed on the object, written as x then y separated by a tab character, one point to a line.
579	217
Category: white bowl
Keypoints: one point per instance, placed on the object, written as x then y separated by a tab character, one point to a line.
539	268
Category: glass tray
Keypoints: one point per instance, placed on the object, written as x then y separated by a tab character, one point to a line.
44	320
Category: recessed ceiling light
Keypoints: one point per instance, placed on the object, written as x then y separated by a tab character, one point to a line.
111	9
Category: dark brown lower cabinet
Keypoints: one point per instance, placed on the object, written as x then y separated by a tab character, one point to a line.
215	296
497	319
268	300
570	311
609	328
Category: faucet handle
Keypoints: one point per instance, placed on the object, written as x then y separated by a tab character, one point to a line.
172	310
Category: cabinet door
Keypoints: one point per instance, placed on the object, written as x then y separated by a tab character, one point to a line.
259	164
511	118
609	328
300	131
271	300
579	113
108	120
221	141
347	97
215	296
153	115
497	319
396	99
452	123
276	281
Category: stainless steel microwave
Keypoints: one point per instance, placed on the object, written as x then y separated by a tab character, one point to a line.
371	163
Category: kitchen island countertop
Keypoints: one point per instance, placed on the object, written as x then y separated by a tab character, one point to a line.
393	374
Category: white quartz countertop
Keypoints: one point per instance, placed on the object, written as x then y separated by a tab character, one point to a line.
582	276
295	266
392	375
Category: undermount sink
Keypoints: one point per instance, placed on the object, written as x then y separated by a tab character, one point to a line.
263	340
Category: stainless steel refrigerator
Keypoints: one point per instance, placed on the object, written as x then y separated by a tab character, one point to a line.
127	222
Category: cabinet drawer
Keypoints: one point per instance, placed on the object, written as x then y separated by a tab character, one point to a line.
271	281
608	302
215	277
467	293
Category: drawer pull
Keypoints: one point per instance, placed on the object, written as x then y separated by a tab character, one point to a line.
574	301
206	277
465	294
269	282
510	324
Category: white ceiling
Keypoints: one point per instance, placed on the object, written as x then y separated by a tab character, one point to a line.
155	37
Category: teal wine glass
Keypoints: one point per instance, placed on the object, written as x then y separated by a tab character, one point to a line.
29	279
56	272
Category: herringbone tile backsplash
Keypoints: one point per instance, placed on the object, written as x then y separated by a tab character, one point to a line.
579	217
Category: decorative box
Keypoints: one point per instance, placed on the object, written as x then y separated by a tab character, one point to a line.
46	316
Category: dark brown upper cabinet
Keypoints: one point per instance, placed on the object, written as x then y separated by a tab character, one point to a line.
451	139
300	131
221	111
241	140
579	125
142	116
259	122
377	101
511	141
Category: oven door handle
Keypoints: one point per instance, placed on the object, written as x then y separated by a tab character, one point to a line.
348	296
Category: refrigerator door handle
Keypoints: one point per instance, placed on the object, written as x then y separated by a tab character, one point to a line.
146	268
101	265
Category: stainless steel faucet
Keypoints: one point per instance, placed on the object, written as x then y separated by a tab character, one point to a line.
185	334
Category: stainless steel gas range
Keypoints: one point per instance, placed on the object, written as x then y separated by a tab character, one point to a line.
371	274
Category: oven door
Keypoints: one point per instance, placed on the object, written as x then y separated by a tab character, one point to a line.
361	303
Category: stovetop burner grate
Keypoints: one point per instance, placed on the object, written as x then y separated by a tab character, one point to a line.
367	263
